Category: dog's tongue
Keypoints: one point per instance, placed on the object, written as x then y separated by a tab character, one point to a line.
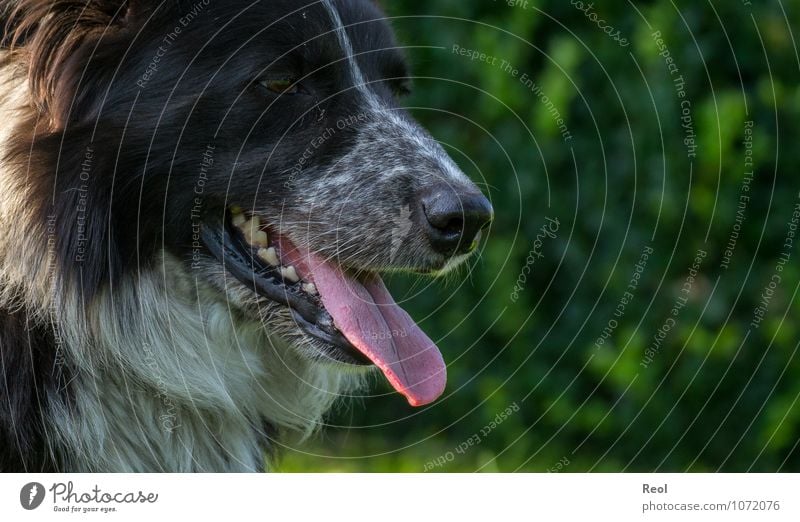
365	313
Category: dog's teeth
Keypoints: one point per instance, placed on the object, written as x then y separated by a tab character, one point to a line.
264	255
250	230
290	274
260	239
310	288
270	255
239	220
253	226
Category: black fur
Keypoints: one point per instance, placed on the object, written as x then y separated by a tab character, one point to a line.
32	379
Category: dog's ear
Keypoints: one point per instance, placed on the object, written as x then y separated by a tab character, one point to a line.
58	38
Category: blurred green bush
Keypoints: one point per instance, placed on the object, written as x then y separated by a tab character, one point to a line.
718	394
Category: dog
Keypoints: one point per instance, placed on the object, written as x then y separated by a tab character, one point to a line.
197	202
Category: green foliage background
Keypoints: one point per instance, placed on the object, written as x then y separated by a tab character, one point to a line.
719	394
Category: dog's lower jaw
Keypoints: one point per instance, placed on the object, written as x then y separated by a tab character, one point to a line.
175	378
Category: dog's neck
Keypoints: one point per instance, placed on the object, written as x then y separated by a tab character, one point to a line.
162	374
175	379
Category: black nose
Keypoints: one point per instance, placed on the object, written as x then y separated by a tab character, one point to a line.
454	218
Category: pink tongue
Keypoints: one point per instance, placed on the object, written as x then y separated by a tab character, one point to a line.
366	314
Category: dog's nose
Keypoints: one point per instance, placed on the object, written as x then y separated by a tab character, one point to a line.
454	219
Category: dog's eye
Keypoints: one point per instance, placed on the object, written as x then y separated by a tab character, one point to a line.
401	88
287	86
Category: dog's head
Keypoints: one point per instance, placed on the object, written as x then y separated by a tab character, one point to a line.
263	143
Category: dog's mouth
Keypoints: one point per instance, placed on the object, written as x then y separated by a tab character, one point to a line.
353	315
